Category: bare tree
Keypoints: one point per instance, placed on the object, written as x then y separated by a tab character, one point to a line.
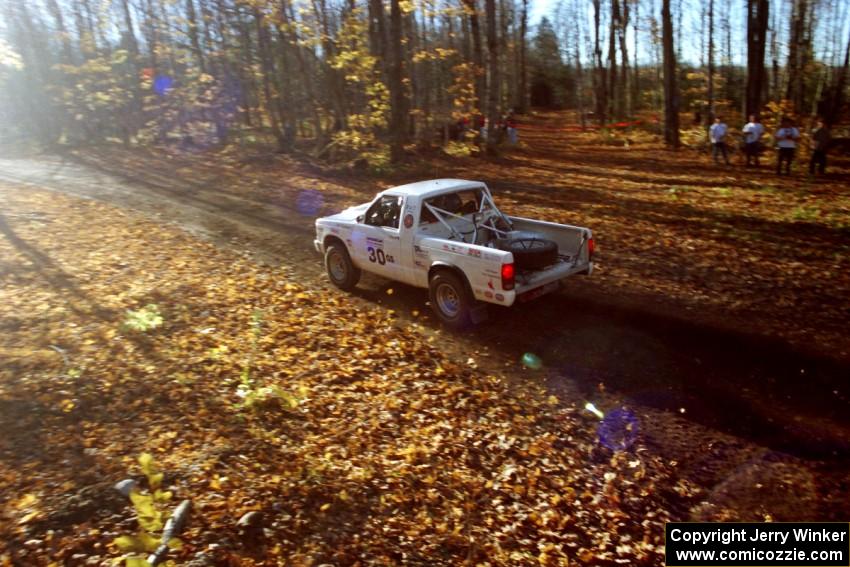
493	90
671	94
398	99
710	88
757	15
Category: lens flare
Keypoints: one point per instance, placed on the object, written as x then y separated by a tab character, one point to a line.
594	410
618	430
531	360
162	84
309	202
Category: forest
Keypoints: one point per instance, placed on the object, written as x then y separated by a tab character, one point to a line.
371	80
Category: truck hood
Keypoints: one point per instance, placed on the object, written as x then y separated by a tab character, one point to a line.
350	214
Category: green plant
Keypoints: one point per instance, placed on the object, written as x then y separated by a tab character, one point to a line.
250	392
145	319
676	190
806	214
151	514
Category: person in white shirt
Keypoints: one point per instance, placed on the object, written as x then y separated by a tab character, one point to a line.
753	132
786	140
717	134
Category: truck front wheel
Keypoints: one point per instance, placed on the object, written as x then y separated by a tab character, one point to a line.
450	299
341	271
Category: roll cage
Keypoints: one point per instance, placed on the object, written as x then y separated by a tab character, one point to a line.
487	216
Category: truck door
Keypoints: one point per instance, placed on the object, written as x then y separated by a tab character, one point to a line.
377	242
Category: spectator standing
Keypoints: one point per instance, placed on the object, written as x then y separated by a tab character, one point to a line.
820	143
753	131
510	127
717	133
786	140
482	130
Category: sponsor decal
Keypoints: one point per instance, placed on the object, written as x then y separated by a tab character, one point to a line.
490	284
500	297
488	294
408	220
474	252
454	249
374	241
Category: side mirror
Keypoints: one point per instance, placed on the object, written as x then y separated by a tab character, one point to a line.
359	219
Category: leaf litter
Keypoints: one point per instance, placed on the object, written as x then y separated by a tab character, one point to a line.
363	443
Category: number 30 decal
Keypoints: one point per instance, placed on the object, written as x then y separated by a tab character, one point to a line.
379	256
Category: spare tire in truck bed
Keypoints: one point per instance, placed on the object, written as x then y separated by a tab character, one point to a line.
531	251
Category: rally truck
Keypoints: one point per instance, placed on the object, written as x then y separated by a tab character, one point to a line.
448	236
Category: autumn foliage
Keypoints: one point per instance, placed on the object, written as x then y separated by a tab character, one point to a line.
363	442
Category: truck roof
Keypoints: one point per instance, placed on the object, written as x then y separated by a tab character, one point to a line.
434	187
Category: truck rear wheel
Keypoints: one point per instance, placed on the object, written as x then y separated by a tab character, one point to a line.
341	271
450	300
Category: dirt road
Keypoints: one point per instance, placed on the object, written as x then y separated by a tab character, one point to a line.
721	403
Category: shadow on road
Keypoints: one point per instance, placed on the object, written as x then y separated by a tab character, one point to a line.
748	386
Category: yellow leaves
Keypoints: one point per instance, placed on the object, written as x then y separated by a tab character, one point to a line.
150	470
370	418
26	501
29	517
139	543
146	512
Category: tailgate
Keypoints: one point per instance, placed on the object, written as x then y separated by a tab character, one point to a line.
574	256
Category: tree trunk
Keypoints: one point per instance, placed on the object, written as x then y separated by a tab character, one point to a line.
625	106
635	97
579	73
796	54
477	51
56	12
599	81
194	38
671	94
613	107
522	102
286	9
378	33
493	91
398	102
836	98
709	118
131	122
267	65
757	15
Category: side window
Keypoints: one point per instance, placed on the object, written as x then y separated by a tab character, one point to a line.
385	212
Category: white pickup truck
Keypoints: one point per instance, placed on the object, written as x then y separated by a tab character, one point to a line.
448	236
